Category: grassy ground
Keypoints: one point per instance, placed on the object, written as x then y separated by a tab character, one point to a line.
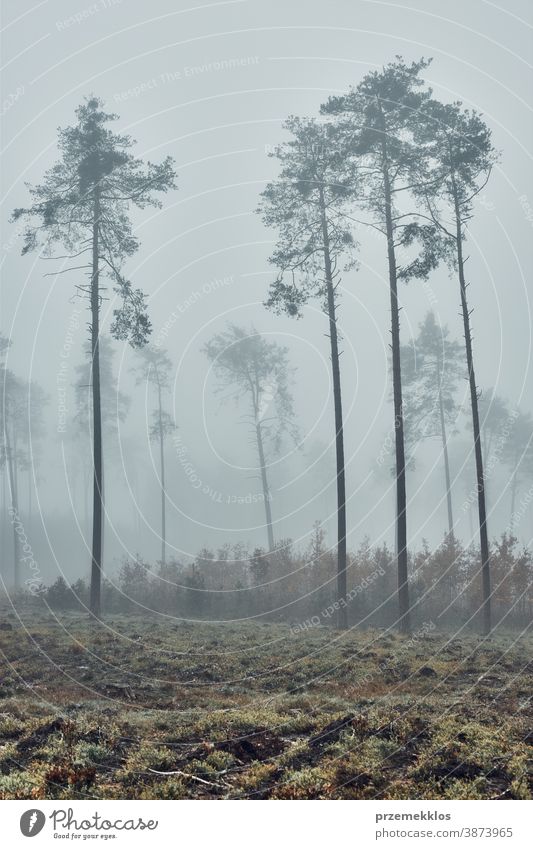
255	711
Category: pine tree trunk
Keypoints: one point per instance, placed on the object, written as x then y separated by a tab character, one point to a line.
2	520
470	520
264	479
162	473
86	484
16	491
482	510
15	465
401	497
135	491
14	507
445	454
96	565
513	495
342	618
29	499
102	501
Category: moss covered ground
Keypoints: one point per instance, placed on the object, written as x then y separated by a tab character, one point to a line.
151	708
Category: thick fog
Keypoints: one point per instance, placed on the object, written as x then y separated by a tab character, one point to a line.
210	85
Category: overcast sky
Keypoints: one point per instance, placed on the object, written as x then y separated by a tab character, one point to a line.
210	84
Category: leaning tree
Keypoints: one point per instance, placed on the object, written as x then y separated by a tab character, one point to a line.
257	370
83	205
459	157
376	120
154	369
432	366
308	206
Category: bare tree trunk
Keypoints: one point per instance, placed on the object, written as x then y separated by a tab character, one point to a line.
15	465
264	479
135	490
162	473
2	521
482	510
14	506
513	495
470	519
86	486
401	497
445	453
96	565
30	481
342	619
103	506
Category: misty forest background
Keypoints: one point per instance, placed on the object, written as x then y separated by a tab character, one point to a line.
225	330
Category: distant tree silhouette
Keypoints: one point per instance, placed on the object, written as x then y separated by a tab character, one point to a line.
21	411
432	366
155	368
518	456
254	368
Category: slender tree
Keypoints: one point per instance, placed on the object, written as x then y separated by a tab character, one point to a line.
495	420
254	368
9	404
494	414
31	429
83	205
4	346
518	456
155	369
460	154
377	118
21	408
308	205
432	366
114	406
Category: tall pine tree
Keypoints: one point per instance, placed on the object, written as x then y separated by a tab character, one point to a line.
308	206
83	206
376	119
460	154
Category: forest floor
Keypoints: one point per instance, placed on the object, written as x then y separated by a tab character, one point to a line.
154	708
